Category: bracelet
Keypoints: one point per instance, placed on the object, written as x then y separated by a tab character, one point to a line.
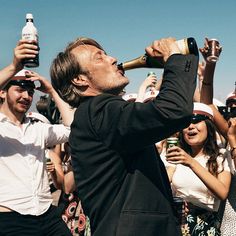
207	84
231	152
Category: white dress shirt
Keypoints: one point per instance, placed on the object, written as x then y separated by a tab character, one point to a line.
24	185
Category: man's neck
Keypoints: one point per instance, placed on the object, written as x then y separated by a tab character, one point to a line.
16	118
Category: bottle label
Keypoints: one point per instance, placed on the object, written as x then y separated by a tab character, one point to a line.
29	36
183	46
172	141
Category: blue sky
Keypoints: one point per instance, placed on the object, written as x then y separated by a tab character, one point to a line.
124	28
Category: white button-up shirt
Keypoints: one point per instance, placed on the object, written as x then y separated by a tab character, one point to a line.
24	185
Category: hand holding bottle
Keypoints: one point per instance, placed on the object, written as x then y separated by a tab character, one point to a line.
30	33
176	155
164	47
150	81
211	50
154	57
50	167
24	49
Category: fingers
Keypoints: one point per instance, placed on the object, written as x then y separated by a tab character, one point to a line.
24	49
174	151
163	47
152	52
50	167
232	122
206	45
151	79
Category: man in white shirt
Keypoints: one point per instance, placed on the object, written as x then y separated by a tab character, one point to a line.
25	198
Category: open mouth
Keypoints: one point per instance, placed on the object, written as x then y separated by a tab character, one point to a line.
120	69
192	134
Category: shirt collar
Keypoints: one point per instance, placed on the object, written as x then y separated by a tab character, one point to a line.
3	117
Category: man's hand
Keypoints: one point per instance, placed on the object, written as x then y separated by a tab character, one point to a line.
24	49
45	85
163	47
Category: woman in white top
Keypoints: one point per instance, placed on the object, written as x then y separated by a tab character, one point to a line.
200	174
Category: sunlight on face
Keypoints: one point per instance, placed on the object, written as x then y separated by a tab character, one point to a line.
196	134
19	99
103	72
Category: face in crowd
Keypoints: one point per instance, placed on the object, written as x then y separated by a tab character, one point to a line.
196	133
103	75
84	69
18	95
201	127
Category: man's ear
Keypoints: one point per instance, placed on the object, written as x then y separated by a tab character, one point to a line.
2	93
80	81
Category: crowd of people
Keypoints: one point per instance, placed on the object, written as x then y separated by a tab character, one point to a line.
102	166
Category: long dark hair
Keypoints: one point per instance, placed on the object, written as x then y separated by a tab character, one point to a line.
210	147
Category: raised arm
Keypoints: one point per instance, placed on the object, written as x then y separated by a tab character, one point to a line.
150	81
207	89
209	70
67	113
23	50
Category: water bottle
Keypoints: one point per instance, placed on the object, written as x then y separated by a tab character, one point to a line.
30	32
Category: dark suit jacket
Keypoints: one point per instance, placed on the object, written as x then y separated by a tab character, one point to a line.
120	178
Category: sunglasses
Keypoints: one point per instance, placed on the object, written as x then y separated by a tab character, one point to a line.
198	118
227	112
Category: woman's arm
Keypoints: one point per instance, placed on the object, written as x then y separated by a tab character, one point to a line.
231	134
219	185
69	181
54	167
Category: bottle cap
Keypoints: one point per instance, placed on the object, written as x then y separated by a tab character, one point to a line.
29	16
151	73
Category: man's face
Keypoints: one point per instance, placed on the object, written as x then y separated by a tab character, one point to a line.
103	74
19	99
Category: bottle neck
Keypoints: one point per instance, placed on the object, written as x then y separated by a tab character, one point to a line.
29	21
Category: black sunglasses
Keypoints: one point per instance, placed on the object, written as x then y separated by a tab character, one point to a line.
227	112
196	118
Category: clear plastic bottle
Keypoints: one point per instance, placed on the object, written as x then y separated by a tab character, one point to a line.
186	46
30	32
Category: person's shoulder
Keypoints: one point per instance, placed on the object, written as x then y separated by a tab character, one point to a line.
105	99
100	103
